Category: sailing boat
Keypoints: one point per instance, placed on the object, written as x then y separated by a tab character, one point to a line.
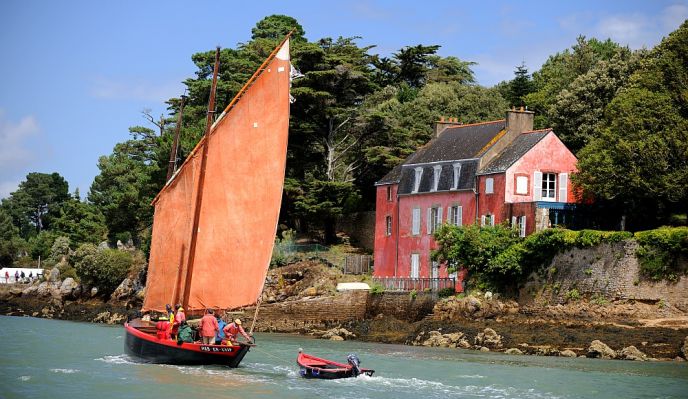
215	219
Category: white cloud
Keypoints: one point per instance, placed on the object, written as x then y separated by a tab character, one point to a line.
627	29
133	89
674	15
13	136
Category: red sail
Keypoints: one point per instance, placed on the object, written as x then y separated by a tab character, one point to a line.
239	212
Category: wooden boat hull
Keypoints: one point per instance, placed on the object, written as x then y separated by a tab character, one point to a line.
144	345
315	367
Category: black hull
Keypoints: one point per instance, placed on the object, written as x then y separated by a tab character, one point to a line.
150	351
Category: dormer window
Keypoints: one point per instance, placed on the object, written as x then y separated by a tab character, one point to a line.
457	174
437	170
416	181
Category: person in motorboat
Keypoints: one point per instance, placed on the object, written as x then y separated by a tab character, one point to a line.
231	331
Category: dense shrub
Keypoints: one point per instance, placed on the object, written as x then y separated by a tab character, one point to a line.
661	251
104	269
59	248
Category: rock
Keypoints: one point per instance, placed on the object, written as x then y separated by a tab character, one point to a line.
488	296
341	334
54	275
94	291
452	340
46	288
599	349
484	349
473	304
684	348
546	350
488	338
567	353
103	245
16	291
336	338
30	290
631	353
68	288
310	291
513	351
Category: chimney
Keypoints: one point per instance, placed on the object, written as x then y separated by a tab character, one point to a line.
517	121
444	123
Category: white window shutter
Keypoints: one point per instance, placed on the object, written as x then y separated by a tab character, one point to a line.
482	220
513	221
449	215
523	226
563	186
537	186
459	218
429	221
439	215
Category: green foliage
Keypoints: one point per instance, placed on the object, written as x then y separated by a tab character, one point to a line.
35	201
518	88
80	221
10	242
572	295
377	288
104	269
275	27
41	244
59	249
413	294
446	292
661	251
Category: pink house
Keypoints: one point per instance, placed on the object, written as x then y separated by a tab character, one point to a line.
487	173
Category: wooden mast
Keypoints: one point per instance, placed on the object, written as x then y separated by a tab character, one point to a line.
201	179
175	143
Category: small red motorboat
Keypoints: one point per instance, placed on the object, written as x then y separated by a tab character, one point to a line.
315	367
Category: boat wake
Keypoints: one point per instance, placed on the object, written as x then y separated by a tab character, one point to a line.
65	371
117	359
436	389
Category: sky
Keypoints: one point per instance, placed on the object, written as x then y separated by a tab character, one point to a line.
75	75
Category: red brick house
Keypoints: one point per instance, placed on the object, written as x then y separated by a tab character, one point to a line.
487	173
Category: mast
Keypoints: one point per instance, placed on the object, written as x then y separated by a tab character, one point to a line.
201	178
173	150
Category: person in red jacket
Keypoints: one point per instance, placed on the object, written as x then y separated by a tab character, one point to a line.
209	327
231	331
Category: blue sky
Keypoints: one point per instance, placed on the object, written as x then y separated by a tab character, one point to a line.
74	75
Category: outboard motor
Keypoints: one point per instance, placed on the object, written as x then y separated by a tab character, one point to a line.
355	363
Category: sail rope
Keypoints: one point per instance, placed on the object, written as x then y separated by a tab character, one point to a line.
271	354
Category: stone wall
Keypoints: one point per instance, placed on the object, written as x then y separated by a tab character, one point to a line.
401	305
306	313
608	270
360	227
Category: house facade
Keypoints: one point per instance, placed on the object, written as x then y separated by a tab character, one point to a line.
487	173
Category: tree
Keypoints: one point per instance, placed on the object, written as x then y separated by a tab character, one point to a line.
579	109
10	242
81	222
275	27
520	86
36	199
639	158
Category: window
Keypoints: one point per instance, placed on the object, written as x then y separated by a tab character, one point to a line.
455	215
437	170
457	174
434	219
415	222
416	181
522	185
487	220
388	225
415	265
489	185
549	187
389	193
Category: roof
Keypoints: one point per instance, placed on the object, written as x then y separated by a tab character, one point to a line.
454	143
458	142
466	176
514	151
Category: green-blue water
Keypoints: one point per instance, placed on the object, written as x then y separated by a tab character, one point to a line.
58	359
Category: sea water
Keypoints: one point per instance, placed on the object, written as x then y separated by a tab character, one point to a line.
55	359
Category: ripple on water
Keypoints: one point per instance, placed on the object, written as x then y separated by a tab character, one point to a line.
118	359
24	378
64	371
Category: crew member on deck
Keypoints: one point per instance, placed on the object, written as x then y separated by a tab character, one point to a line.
220	336
232	329
209	327
178	318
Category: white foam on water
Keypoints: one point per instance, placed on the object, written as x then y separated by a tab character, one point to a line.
118	359
64	371
470	376
25	378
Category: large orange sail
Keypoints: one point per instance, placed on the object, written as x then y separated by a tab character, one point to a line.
242	192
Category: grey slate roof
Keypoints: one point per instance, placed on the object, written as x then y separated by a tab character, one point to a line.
455	143
513	152
466	176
